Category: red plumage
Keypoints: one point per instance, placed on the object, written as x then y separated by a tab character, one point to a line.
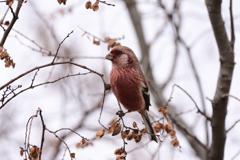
129	84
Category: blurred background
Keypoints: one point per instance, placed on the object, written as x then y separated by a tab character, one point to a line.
175	44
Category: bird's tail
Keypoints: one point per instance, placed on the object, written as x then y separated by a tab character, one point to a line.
148	125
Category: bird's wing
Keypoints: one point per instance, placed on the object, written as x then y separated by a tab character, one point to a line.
146	96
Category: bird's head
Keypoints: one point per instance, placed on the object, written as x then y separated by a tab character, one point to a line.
122	57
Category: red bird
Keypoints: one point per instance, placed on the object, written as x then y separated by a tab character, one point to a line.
129	84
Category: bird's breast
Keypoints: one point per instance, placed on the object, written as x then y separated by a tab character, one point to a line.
126	85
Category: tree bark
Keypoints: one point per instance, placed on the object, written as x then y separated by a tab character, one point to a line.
219	103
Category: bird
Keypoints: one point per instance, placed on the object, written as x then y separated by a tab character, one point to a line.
129	84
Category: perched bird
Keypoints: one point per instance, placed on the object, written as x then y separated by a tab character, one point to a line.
129	84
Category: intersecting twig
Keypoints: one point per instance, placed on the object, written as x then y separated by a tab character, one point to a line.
60	46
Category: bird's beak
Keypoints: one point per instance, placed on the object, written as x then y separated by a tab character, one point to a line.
109	56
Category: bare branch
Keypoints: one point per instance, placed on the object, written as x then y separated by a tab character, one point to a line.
232	25
14	19
219	104
43	133
104	2
232	126
228	95
190	135
237	154
198	110
60	45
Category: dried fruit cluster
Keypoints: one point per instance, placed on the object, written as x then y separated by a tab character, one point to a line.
83	144
7	59
94	6
111	42
62	1
34	153
120	153
168	128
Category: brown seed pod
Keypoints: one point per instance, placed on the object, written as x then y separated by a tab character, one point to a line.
107	39
117	130
120	158
72	155
175	142
173	134
95	6
100	133
168	127
134	125
88	5
138	138
129	137
119	151
157	128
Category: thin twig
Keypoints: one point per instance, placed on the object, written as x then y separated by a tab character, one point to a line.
60	46
237	154
34	86
232	26
232	126
34	78
71	131
14	19
228	95
61	141
43	133
181	113
198	110
187	133
104	2
85	32
27	133
48	65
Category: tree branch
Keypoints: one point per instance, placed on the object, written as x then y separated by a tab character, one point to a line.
14	19
220	103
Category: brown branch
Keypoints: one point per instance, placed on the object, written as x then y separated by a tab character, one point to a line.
47	65
198	109
102	40
232	25
220	103
34	86
60	140
104	2
43	66
187	133
80	124
14	19
60	45
32	41
229	95
174	65
27	133
232	126
43	133
237	154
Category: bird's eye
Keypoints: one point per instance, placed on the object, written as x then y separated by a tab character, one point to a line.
118	52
